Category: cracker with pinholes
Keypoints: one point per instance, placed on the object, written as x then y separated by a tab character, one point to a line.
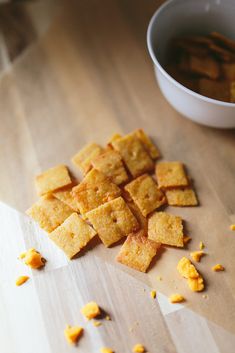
49	212
145	194
112	221
143	221
72	235
94	190
82	160
65	195
171	174
110	163
147	143
138	251
181	197
134	155
52	179
166	229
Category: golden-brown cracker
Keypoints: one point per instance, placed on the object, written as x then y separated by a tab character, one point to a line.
83	158
224	41
145	194
143	222
110	163
207	67
65	195
94	190
171	174
72	235
112	221
49	212
133	154
166	229
229	71
52	179
138	251
232	92
181	197
215	89
113	138
147	143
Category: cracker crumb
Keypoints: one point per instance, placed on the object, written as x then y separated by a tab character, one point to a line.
201	245
153	294
189	271
205	296
90	310
106	350
108	318
218	268
196	255
33	259
176	298
138	348
73	333
232	227
159	278
21	280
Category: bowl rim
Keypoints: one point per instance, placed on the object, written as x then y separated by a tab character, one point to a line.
164	72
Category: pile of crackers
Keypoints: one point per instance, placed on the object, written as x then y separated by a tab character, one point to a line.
123	195
204	64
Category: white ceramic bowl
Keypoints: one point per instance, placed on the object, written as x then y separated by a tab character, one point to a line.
180	17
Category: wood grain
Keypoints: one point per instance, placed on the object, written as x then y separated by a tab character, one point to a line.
88	77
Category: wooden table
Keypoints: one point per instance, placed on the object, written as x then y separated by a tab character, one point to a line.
87	77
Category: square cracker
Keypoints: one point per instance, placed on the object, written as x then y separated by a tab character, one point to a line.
82	160
113	220
52	179
133	154
145	194
208	67
72	235
171	174
138	251
181	197
166	229
147	143
110	163
94	190
65	195
49	212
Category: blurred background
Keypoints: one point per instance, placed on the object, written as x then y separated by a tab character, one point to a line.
21	23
